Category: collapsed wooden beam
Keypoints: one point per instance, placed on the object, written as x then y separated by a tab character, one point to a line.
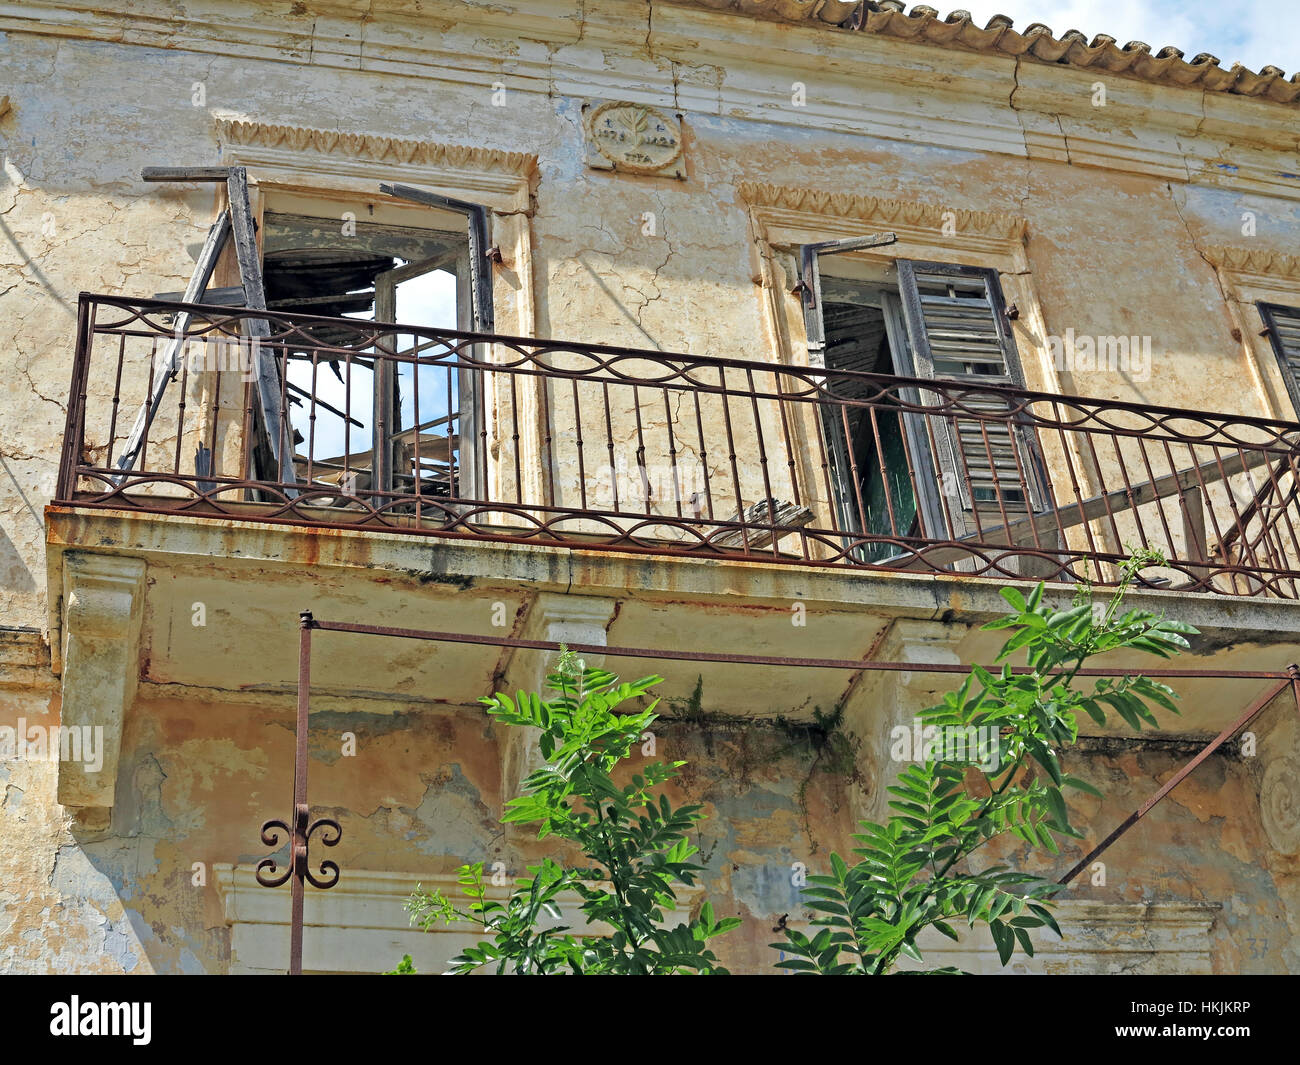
166	369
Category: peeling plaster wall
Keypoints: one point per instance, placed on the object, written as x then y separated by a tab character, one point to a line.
421	796
1110	251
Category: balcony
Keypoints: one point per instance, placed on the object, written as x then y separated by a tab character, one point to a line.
340	423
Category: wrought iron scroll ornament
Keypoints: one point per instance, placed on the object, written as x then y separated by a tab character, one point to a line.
268	874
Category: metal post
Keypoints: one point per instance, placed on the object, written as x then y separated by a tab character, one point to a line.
299	835
1292	681
300	811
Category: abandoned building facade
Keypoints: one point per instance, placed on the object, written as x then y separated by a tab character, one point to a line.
770	328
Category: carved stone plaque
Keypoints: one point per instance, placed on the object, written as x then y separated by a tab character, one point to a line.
633	138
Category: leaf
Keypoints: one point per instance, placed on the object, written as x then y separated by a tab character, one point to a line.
1003	939
1012	596
946	929
1082	785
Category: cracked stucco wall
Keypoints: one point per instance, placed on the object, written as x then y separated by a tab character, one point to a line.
421	796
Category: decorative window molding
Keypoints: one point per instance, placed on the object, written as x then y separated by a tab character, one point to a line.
1260	263
1098	938
506	179
301	160
902	216
361	925
783	217
1247	277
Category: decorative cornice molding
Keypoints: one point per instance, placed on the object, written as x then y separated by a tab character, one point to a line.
923	24
246	133
1261	262
903	213
362	925
25	661
371	156
1098	937
466	46
382	896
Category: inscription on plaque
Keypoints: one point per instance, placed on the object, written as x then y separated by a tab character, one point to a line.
635	139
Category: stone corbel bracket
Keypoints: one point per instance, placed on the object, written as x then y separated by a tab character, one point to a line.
576	619
103	597
884	701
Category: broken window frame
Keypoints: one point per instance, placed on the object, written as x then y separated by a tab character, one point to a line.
472	473
910	346
474	314
387	444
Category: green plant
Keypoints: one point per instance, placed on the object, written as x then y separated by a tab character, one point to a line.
634	842
915	871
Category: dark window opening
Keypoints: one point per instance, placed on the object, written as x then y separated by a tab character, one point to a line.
970	469
867	451
356	418
1282	325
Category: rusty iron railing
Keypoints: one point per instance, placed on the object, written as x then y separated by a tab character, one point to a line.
441	433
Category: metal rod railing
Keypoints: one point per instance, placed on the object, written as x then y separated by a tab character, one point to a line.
614	448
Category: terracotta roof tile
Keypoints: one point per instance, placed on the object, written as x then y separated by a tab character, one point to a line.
889	18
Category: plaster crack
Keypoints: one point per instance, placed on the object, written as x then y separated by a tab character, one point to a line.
1178	209
654	280
1065	141
26	372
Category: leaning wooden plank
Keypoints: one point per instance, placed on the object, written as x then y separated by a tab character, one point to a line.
787	518
166	369
1020	533
185	173
232	296
1258	503
274	428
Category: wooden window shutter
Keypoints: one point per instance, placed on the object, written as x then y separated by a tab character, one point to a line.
810	285
472	415
1282	324
957	331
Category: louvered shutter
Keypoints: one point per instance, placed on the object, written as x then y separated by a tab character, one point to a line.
1283	327
957	331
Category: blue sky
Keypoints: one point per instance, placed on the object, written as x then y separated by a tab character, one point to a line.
1254	32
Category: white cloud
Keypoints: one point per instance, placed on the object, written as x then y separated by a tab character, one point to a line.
1255	33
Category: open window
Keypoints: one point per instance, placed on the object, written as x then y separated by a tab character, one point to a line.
384	425
904	474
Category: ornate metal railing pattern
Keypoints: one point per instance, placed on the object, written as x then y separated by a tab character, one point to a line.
442	433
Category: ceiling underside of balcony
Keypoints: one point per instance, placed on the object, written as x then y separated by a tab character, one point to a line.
248	582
